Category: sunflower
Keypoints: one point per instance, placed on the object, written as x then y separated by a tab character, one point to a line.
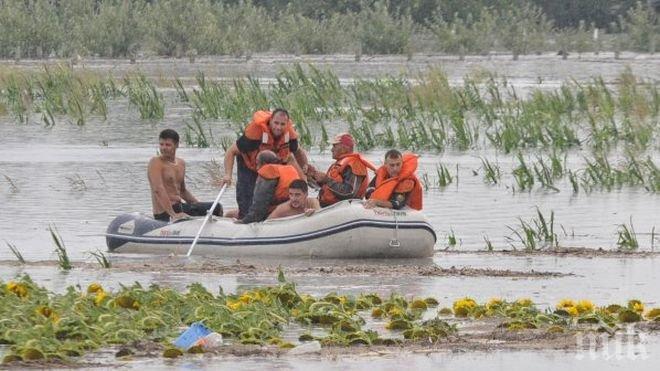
463	307
584	306
565	303
100	296
525	302
234	305
44	311
18	289
94	288
636	305
572	311
494	303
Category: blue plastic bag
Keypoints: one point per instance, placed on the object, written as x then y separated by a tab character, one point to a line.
195	332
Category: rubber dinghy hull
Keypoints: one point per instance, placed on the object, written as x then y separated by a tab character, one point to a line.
344	230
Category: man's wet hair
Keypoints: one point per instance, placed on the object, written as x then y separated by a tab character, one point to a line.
393	154
281	110
169	134
299	184
267	157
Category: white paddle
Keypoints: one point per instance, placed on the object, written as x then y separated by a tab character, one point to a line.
206	219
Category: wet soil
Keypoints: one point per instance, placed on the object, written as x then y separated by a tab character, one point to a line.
174	264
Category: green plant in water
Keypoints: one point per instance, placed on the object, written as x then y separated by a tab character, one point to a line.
16	253
444	178
451	238
492	172
12	185
143	94
101	258
627	237
489	244
523	175
540	230
60	249
194	134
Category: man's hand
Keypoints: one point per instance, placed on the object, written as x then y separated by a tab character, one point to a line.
291	159
178	216
319	177
225	180
370	204
309	212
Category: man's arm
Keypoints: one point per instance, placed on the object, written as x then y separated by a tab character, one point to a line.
370	188
154	174
396	202
301	158
399	200
264	190
185	193
291	160
348	188
230	155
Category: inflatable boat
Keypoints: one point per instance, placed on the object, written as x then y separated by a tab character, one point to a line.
343	230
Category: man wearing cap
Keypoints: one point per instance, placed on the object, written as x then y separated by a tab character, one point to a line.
267	131
395	184
347	178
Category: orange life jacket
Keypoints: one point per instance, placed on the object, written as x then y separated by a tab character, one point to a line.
285	175
405	182
358	165
258	129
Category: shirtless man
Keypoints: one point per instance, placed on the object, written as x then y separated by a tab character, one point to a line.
167	181
298	202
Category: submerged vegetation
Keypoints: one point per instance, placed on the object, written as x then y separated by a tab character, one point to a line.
42	325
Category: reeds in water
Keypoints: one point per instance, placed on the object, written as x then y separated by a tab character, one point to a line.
62	256
627	239
536	233
142	93
14	250
101	258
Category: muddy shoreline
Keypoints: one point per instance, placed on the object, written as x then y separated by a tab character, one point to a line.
178	265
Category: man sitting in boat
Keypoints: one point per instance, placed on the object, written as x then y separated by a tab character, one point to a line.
272	185
298	202
271	131
345	179
167	175
395	184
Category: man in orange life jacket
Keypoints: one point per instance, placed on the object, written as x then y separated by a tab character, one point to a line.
267	131
345	179
272	186
395	184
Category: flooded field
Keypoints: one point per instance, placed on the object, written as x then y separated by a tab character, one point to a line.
78	178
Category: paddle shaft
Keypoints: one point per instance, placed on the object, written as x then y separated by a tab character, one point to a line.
206	219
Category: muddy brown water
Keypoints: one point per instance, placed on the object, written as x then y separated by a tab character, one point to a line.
79	178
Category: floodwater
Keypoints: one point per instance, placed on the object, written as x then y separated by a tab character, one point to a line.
79	178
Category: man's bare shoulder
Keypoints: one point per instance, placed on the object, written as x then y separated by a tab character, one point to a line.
280	211
155	162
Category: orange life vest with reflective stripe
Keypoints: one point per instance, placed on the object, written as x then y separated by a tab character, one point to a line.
406	182
358	165
285	175
258	129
